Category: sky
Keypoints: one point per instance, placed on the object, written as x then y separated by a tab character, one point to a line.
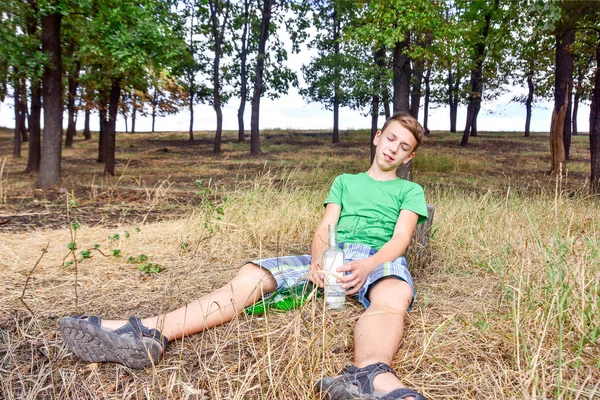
292	112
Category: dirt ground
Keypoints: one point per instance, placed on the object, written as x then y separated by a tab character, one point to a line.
164	203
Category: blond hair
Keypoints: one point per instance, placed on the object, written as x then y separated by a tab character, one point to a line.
408	122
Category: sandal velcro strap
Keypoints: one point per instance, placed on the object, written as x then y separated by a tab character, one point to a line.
134	326
402	394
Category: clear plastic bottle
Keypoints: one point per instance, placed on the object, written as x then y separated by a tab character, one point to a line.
333	258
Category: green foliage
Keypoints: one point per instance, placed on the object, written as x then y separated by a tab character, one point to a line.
150	268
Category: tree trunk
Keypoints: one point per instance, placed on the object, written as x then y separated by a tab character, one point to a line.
71	111
562	75
567	128
426	103
102	130
33	159
386	101
401	67
217	35
415	95
154	106
528	103
243	75
453	83
374	119
336	76
87	135
595	129
258	77
134	111
24	113
577	96
191	108
110	127
379	85
53	107
18	119
477	79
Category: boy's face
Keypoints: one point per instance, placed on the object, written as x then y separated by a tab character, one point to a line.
394	146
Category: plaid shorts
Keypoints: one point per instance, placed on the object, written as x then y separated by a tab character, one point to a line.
290	270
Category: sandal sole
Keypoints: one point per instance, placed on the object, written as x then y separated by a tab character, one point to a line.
93	344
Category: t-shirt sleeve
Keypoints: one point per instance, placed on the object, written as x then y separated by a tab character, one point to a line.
414	200
335	193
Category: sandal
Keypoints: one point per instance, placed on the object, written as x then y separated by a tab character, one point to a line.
357	383
133	344
352	383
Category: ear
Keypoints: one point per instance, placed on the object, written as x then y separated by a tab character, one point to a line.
377	138
407	159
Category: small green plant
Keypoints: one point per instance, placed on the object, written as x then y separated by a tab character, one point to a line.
150	268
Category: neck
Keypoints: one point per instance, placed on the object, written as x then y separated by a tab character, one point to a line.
381	175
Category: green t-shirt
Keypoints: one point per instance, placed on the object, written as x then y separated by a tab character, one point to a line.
370	208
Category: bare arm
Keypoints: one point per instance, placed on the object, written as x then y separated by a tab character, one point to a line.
320	243
394	248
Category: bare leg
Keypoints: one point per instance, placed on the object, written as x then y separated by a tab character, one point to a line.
379	330
212	309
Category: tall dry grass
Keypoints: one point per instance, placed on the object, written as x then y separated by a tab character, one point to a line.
507	309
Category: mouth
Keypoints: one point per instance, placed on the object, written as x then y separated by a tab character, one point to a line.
388	157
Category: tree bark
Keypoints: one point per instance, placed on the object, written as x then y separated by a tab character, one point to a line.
24	113
243	53
577	96
563	72
374	122
102	116
87	134
33	158
258	77
567	128
379	58
453	83
154	106
218	33
134	112
426	103
528	103
71	111
336	76
18	119
401	67
595	129
110	127
415	94
53	107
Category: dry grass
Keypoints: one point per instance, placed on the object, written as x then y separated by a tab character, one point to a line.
508	308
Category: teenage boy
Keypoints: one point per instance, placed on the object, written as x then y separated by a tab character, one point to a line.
376	214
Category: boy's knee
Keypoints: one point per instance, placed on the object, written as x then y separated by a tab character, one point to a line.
251	271
391	292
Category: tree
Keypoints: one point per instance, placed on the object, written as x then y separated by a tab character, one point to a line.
393	25
324	73
479	56
564	36
125	44
532	55
193	61
266	10
52	92
219	14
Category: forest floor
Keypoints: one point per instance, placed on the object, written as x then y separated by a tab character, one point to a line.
508	307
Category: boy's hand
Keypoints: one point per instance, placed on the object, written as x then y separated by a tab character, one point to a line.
315	273
358	273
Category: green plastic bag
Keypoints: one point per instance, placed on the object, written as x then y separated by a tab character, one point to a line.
282	300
